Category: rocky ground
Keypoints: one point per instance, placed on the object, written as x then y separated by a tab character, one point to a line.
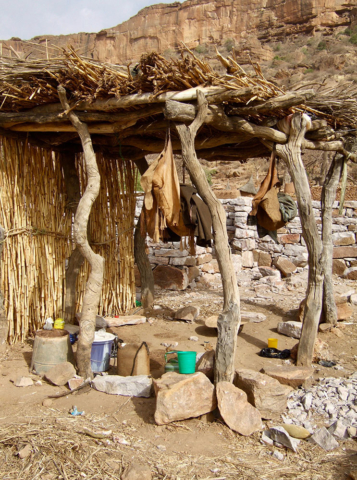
56	445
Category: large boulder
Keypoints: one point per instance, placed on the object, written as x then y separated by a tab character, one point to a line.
236	411
179	397
206	364
265	393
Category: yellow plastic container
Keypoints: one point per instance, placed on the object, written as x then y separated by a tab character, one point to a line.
272	342
59	324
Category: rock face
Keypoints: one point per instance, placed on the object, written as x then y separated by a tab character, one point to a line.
198	22
264	392
236	411
179	397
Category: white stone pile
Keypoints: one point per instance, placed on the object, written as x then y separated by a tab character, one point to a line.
334	400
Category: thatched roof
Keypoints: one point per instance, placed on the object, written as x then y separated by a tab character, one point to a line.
128	107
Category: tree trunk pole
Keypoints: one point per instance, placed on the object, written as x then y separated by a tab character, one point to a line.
76	259
328	195
95	281
291	154
3	317
141	259
229	319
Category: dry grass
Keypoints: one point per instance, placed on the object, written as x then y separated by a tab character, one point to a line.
66	447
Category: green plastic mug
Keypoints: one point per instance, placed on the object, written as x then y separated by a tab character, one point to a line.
187	362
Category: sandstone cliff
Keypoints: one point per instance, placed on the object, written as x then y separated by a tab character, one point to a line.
197	22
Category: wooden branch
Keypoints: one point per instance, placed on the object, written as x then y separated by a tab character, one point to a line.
216	117
228	322
94	284
33	116
157	145
288	100
335	146
291	154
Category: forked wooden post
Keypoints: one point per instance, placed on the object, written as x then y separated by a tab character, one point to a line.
291	154
95	281
229	319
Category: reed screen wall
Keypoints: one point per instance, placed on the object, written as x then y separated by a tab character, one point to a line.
38	235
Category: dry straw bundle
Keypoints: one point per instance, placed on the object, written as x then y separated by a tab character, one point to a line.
38	235
111	234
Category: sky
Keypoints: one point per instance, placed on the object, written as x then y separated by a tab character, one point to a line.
28	18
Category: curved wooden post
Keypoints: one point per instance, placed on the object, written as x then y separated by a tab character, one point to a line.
291	154
229	319
94	284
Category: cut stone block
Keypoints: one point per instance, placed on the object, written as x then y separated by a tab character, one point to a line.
179	397
343	238
264	392
338	429
203	259
338	267
290	238
289	375
290	329
350	273
285	266
236	411
345	252
60	374
170	278
137	386
247	259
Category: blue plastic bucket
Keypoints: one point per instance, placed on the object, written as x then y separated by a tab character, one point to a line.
101	350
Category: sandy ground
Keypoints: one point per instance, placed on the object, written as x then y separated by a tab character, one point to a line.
192	449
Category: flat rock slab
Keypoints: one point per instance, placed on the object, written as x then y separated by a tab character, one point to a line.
265	393
324	439
137	386
289	375
60	374
290	329
23	382
188	314
280	435
236	411
74	383
179	397
125	320
285	266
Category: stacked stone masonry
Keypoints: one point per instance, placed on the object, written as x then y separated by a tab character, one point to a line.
250	251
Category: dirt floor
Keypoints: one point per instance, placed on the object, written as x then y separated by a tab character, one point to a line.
201	448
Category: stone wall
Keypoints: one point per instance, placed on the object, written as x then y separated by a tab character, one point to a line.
250	252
